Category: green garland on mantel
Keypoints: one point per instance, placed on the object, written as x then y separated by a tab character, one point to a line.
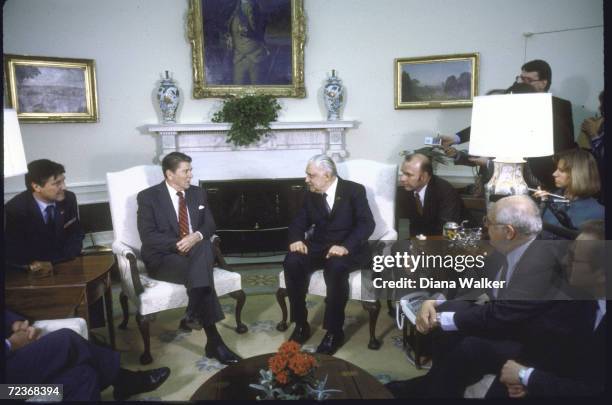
250	117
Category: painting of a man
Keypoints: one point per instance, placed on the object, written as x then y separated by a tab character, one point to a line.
247	42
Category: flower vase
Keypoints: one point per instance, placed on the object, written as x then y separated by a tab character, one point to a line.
168	96
333	96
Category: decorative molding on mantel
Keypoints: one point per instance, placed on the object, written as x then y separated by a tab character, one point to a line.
326	136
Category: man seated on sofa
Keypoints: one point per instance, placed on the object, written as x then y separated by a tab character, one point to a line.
65	357
471	340
429	201
42	222
581	370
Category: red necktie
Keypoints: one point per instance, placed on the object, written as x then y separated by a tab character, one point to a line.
183	221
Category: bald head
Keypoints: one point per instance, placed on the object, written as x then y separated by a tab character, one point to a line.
520	212
416	172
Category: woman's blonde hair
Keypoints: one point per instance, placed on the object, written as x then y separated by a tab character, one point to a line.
582	168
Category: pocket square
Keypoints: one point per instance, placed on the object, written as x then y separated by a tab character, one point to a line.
201	207
67	224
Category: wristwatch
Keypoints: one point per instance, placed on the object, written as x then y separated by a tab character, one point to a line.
522	374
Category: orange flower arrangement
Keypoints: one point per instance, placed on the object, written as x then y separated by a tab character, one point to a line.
290	361
290	375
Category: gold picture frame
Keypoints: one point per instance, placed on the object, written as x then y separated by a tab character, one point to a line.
233	55
439	81
47	89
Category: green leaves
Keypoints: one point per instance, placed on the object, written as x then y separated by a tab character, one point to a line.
250	117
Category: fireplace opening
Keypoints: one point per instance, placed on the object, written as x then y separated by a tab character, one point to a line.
252	215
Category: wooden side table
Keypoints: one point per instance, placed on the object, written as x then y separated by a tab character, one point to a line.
232	382
68	292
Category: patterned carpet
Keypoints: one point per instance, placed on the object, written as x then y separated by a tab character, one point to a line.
183	352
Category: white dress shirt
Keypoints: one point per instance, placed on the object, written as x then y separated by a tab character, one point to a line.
175	203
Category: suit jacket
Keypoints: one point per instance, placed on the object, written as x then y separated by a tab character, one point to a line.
563	138
580	372
28	238
349	224
158	223
442	204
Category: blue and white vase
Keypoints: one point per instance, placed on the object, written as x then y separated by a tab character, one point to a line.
333	96
168	96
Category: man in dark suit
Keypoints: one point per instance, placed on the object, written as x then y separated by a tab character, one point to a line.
578	370
42	223
429	201
65	357
471	340
338	218
175	226
538	74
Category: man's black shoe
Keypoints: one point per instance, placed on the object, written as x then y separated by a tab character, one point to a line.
413	388
183	326
190	323
330	343
139	382
222	353
301	333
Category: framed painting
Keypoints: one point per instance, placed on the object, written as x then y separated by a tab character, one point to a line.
46	89
247	47
441	81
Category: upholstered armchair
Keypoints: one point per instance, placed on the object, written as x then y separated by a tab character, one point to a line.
151	296
380	181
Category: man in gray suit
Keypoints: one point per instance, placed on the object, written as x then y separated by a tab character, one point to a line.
175	226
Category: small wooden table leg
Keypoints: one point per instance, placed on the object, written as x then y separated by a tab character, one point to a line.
108	302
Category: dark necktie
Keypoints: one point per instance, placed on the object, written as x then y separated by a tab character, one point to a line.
327	207
503	273
419	205
183	221
50	211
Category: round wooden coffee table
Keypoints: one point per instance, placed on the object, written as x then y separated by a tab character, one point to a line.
233	381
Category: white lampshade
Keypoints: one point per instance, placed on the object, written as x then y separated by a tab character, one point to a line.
511	127
14	155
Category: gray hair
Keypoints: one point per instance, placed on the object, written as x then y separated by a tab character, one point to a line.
521	212
324	162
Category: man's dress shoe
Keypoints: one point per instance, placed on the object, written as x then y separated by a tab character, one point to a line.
301	333
142	381
189	323
222	353
413	388
330	343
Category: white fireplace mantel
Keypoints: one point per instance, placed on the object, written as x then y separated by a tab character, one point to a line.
283	153
325	136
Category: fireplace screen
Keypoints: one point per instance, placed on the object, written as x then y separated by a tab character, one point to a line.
252	216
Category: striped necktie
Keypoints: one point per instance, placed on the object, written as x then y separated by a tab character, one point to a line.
182	217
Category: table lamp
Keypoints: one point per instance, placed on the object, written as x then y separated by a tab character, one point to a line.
511	127
14	155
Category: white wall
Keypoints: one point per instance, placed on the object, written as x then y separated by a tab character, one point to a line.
134	41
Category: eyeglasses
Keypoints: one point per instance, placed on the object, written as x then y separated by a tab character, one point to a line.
525	79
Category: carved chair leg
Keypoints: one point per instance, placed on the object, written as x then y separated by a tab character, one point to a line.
373	309
143	326
240	298
123	300
281	294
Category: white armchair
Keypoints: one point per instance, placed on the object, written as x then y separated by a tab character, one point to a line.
380	181
147	294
